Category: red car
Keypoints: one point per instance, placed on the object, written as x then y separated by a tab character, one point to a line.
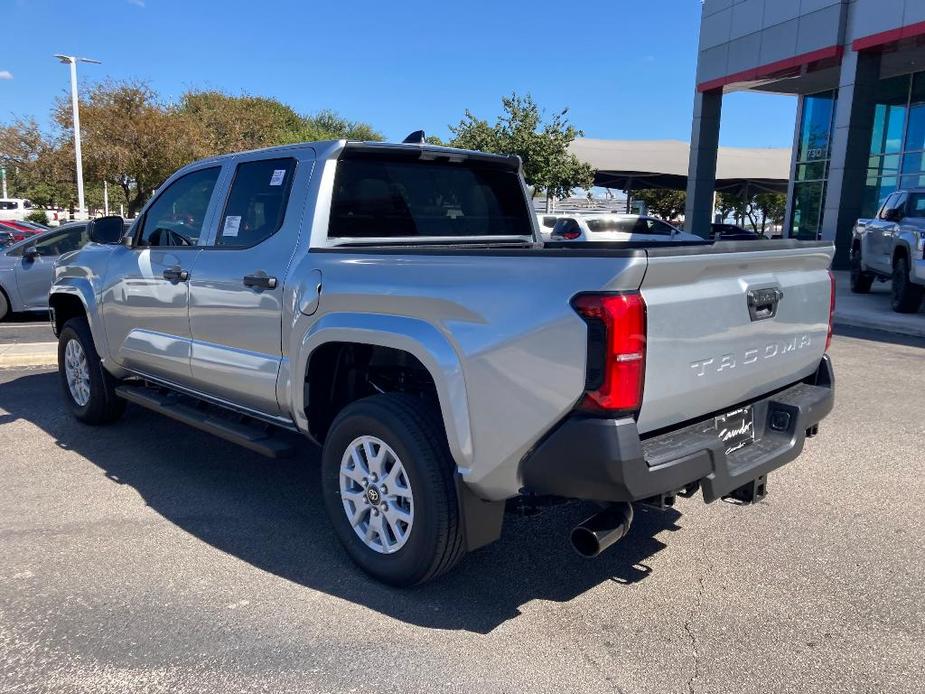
19	230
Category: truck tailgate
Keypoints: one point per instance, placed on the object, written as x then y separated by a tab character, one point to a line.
706	349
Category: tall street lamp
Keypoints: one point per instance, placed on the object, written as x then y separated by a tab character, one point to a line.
73	60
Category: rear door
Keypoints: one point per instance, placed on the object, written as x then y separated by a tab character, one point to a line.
708	349
236	292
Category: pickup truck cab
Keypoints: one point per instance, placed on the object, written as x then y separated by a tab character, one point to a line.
891	246
393	304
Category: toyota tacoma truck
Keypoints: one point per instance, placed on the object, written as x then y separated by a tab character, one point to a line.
392	303
891	246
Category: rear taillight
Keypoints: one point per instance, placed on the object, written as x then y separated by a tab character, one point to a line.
616	365
570	235
828	338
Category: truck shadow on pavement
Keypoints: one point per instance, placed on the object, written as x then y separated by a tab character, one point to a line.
269	514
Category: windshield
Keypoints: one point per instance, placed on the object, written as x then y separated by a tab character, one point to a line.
386	196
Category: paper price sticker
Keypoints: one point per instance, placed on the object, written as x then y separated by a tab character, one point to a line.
232	224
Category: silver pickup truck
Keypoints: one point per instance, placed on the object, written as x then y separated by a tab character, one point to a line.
891	246
392	303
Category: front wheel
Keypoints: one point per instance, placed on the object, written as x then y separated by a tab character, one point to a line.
88	388
860	280
907	297
389	489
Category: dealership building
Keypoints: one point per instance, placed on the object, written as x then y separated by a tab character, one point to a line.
858	68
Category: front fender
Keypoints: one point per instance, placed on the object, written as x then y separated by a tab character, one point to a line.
412	335
81	288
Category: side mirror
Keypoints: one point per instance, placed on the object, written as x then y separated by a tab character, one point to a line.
106	229
31	253
894	214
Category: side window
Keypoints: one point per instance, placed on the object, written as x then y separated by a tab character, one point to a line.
177	216
900	203
257	202
887	205
56	244
916	206
549	222
659	228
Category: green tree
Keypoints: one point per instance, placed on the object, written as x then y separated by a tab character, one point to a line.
130	138
235	123
541	144
664	203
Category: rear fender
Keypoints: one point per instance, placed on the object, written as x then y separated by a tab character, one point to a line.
417	337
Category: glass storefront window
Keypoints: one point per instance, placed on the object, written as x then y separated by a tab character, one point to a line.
812	164
807	209
816	127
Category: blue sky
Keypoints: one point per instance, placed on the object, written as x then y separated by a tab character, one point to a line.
625	68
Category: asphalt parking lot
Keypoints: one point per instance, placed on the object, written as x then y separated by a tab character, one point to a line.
149	557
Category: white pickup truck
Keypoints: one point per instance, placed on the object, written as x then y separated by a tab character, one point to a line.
393	303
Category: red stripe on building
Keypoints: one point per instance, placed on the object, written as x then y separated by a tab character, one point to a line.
771	69
890	36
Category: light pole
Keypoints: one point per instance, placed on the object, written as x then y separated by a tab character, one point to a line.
73	60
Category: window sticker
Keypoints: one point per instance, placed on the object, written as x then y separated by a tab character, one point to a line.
277	178
232	224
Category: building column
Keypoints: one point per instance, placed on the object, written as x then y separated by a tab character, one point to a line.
850	148
701	171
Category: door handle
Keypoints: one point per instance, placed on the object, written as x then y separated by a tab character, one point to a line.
260	280
175	274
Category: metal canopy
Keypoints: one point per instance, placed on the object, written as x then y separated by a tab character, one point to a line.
637	164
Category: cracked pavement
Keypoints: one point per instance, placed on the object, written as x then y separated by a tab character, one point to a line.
148	557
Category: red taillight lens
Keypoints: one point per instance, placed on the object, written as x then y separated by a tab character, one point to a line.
828	338
616	351
568	235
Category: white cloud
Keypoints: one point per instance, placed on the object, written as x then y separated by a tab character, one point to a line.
136	3
6	75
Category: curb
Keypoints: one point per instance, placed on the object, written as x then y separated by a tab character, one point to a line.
29	354
879	326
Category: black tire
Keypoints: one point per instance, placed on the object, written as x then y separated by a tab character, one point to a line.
415	433
860	280
907	297
103	406
4	306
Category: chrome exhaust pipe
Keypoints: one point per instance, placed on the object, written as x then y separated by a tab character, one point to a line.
595	534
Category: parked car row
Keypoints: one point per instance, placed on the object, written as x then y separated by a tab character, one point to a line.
891	246
27	267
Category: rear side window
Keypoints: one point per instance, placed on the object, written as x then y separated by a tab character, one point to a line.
611	224
916	205
549	222
257	202
393	197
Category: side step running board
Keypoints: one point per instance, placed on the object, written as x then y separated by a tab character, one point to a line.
258	437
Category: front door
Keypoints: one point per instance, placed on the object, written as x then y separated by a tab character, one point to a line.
146	293
236	293
35	273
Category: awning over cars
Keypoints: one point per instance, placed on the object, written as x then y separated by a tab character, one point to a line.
636	164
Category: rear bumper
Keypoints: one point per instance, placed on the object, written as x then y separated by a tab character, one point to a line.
606	460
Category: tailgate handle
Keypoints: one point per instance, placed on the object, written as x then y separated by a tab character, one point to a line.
762	303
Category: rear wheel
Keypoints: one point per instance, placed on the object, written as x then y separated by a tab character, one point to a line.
4	306
860	280
907	297
88	388
389	489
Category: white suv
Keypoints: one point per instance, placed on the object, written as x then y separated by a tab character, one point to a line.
616	227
